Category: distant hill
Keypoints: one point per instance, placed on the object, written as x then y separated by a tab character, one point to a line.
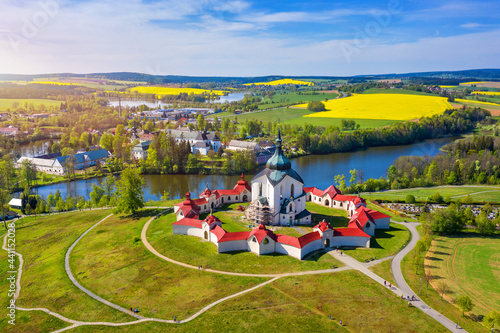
492	74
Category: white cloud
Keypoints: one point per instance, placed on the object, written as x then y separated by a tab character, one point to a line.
472	25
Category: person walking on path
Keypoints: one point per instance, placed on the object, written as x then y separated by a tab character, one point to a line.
384	283
341	323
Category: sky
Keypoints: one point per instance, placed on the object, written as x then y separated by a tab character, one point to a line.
248	38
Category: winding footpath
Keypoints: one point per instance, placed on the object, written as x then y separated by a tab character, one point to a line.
350	263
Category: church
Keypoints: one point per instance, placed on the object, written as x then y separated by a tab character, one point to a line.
278	196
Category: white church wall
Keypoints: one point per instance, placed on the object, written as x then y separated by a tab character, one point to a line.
267	247
288	250
253	245
180	229
383	223
369	228
192	231
312	246
350	241
237	245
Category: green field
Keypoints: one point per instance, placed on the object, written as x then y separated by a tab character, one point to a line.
296	116
470	266
291	97
415	278
303	304
43	242
195	251
6	103
114	264
478	194
395	91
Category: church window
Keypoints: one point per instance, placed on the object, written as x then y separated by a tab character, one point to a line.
254	240
368	224
281	190
228	198
292	192
290	208
236	198
266	241
260	189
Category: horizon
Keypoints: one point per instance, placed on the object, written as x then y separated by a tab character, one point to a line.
247	38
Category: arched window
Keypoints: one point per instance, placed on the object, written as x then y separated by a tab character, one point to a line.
292	192
281	190
260	189
290	208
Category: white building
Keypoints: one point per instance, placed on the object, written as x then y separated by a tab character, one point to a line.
280	188
140	150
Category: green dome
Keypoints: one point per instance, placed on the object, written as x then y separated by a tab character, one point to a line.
278	161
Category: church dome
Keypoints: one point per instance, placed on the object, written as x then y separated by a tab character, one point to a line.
278	161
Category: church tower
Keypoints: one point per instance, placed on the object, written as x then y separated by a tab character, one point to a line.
278	189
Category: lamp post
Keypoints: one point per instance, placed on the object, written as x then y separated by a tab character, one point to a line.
420	287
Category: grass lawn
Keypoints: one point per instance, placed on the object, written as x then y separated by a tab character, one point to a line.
393	216
6	103
195	251
302	304
384	271
292	97
385	243
161	203
336	217
43	242
478	193
470	265
433	299
112	262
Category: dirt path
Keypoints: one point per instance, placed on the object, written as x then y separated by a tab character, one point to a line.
350	262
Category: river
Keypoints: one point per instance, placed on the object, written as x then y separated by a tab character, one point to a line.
315	170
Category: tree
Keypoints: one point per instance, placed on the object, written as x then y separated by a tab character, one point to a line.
484	225
129	192
60	205
28	172
465	303
96	195
492	319
316	106
106	141
410	199
200	122
442	288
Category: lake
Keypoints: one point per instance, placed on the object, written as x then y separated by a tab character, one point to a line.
315	170
232	97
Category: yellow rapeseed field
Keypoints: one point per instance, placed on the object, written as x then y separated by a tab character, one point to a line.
54	82
474	102
281	82
467	83
174	91
491	93
383	106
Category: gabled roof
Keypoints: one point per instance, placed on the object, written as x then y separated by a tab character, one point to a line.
332	191
201	144
376	214
212	219
188	207
323	226
313	190
218	232
261	232
275	176
242	144
360	219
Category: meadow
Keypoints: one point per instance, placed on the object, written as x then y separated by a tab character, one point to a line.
382	106
281	82
295	116
278	100
469	265
162	91
478	194
6	103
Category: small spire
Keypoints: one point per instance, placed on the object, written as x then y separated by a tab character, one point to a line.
207	186
188	195
242	177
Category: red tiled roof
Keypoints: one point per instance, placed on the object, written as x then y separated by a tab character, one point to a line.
218	232
350	232
228	192
234	236
242	185
341	197
189	222
200	201
206	193
360	218
331	191
314	191
376	214
188	206
212	219
261	232
323	226
299	242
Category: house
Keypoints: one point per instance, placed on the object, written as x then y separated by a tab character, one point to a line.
58	165
146	137
16	203
201	142
267	145
242	145
140	150
333	198
10	131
